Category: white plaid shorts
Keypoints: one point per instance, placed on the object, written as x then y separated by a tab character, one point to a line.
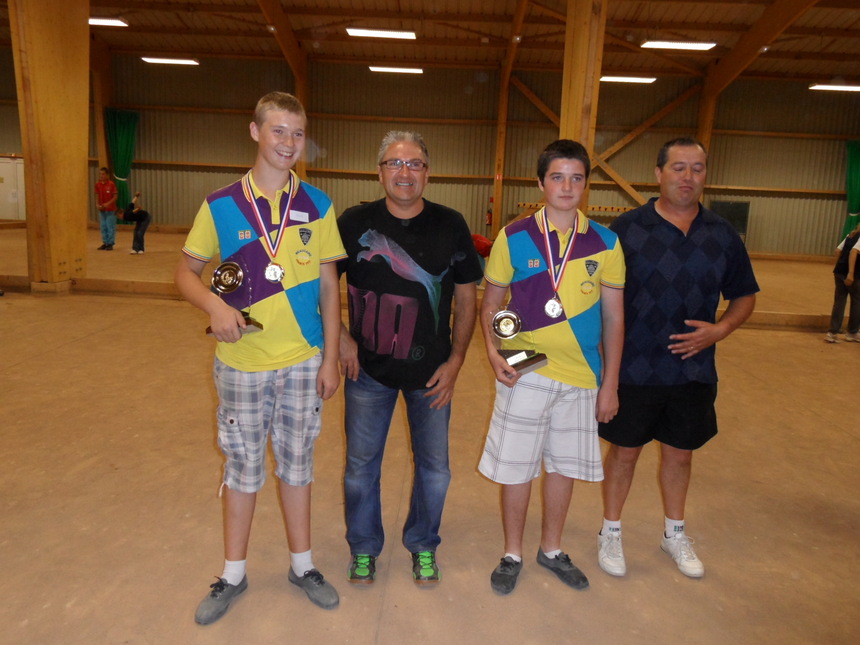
541	420
253	405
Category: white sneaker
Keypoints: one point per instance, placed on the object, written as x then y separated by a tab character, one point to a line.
680	547
855	337
610	554
830	337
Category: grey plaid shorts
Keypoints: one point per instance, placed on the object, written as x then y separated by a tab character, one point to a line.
253	405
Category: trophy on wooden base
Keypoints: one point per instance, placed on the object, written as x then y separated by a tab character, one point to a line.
507	324
227	278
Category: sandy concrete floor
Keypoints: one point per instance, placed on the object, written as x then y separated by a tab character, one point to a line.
111	525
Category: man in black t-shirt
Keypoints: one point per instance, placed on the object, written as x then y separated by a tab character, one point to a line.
408	258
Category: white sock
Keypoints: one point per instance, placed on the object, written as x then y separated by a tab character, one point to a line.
301	562
234	571
611	526
515	558
673	527
552	554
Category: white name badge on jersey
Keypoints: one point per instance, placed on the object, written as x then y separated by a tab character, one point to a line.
299	216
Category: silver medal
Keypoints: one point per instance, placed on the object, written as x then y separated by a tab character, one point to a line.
553	308
274	272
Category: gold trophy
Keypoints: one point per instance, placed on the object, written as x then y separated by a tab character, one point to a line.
507	324
227	278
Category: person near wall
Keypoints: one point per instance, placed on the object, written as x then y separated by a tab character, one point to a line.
142	219
278	240
846	275
565	274
680	258
106	203
408	259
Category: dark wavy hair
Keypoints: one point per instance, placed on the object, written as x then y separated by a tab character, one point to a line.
563	149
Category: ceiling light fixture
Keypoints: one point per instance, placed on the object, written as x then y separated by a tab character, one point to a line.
669	44
833	87
397	70
107	22
628	79
170	61
380	33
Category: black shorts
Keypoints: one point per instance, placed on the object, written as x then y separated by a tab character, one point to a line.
681	416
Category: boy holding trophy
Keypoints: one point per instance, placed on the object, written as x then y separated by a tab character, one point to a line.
278	240
565	274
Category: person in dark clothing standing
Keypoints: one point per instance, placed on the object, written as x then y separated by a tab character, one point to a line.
846	275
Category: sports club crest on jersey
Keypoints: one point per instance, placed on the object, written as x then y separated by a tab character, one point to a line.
305	235
591	266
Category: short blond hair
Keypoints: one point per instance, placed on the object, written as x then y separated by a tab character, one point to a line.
280	101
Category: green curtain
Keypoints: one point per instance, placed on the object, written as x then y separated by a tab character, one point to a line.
121	126
852	186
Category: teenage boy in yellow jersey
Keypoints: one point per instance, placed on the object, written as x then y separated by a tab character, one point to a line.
566	280
282	235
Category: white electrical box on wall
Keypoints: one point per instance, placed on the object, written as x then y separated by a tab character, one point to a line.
12	205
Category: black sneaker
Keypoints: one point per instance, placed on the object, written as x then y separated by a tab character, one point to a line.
218	601
109	247
566	570
319	592
102	247
504	577
425	571
362	569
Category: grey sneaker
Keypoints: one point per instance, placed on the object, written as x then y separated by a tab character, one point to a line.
610	554
855	337
566	570
504	577
319	592
830	337
680	547
218	601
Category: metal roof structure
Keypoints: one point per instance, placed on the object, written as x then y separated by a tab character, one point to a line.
820	44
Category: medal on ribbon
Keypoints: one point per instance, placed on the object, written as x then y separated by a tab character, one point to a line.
553	307
274	272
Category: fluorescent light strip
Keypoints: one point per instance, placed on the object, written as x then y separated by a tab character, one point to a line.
668	44
171	61
835	88
397	70
108	22
380	33
627	79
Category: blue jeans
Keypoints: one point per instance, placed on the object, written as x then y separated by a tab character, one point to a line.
369	406
108	226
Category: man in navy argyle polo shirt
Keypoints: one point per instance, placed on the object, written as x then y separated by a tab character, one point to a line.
680	257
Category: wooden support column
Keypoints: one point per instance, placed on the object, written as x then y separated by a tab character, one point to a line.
51	54
102	84
583	58
295	57
502	121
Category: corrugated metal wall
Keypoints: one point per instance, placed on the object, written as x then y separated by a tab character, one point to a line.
201	115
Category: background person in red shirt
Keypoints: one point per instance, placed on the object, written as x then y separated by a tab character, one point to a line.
106	203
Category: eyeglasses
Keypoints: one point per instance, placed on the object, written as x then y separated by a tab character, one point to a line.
397	164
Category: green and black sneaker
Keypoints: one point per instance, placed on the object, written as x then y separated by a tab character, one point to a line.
425	571
362	570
